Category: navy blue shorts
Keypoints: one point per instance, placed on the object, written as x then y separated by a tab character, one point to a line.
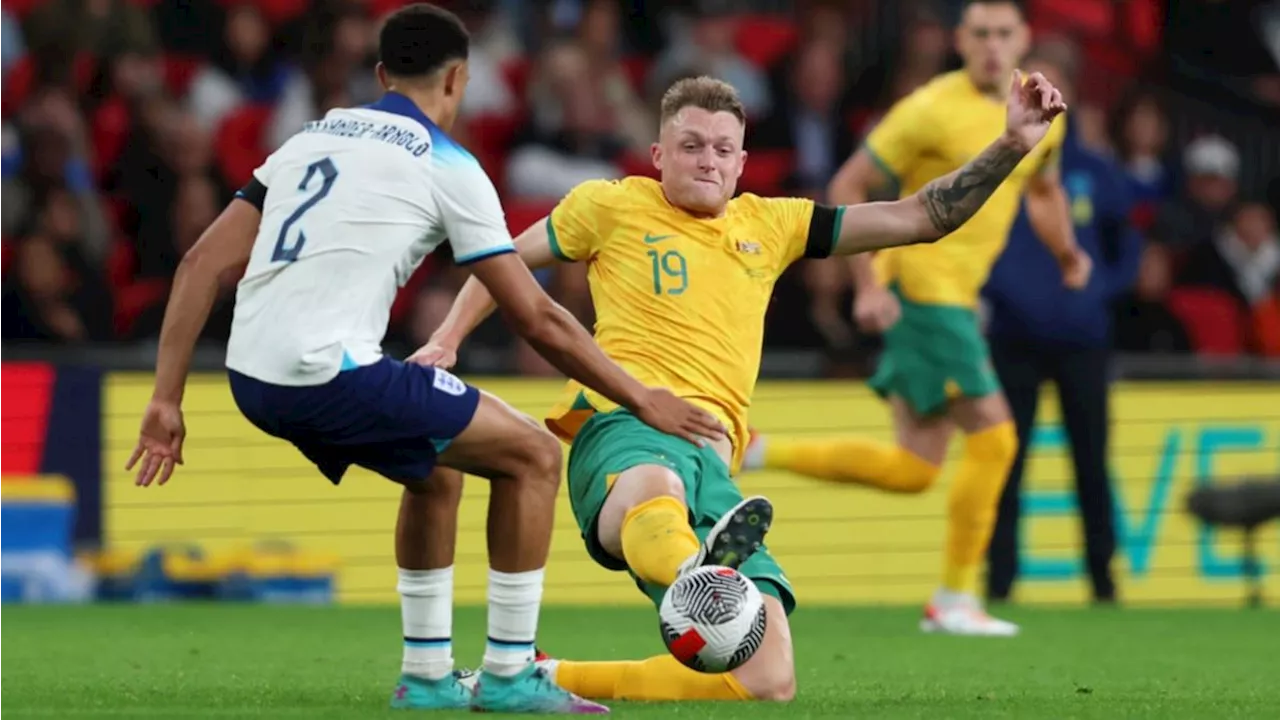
389	417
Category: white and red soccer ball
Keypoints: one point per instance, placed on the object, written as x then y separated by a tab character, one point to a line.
712	619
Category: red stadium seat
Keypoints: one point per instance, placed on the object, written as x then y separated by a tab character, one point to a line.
179	71
6	256
766	171
121	263
765	39
1088	17
20	81
135	298
636	68
378	8
276	12
20	8
517	72
109	129
523	214
239	143
635	163
402	306
490	139
1213	318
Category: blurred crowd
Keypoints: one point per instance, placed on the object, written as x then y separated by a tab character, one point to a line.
128	124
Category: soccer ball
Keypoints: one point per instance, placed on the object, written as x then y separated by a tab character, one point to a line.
712	619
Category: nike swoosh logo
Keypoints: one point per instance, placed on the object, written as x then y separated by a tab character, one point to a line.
651	239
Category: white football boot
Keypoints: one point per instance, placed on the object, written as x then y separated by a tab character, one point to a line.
962	614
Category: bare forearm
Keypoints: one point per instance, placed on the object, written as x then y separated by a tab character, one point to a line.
1050	217
562	340
952	199
475	303
470	308
192	297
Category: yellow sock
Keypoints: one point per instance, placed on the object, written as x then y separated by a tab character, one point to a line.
657	538
658	678
853	460
975	497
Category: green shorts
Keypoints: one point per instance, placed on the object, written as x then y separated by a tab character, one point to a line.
611	443
933	354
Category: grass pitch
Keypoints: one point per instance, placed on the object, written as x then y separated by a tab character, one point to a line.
223	661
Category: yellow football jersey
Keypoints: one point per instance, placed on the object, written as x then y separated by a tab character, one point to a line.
933	132
680	301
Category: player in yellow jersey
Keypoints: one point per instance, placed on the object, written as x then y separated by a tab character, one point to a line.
935	368
681	275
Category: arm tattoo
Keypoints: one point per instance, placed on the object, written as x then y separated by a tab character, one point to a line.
952	199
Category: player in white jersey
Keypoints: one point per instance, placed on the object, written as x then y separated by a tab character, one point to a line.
330	226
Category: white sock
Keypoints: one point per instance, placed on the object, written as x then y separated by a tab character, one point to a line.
426	609
514	599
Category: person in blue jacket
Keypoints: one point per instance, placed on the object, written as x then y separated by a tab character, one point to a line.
1041	331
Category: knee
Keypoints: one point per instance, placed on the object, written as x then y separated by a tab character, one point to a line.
915	474
996	443
539	456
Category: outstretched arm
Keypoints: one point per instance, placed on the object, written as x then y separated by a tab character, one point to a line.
937	209
474	303
948	202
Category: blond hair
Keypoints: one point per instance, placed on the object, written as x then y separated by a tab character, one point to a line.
706	93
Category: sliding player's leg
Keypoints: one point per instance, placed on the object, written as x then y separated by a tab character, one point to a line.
523	461
632	489
769	675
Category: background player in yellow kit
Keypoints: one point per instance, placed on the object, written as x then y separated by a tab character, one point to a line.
936	368
681	276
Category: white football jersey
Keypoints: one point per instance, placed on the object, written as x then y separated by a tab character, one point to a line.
353	204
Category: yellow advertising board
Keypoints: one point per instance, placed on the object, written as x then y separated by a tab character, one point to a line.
839	545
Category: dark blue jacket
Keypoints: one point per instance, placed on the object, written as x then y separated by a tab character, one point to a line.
1027	299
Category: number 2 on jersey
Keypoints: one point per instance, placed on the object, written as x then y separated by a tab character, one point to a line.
670	272
328	173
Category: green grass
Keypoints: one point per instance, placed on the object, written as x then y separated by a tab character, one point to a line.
275	662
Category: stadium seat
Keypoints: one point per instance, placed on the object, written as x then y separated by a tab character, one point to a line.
402	306
764	39
109	130
517	72
1214	320
276	12
766	171
637	68
121	263
132	297
378	8
491	137
239	143
1080	17
179	71
20	81
636	163
21	8
523	214
6	256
